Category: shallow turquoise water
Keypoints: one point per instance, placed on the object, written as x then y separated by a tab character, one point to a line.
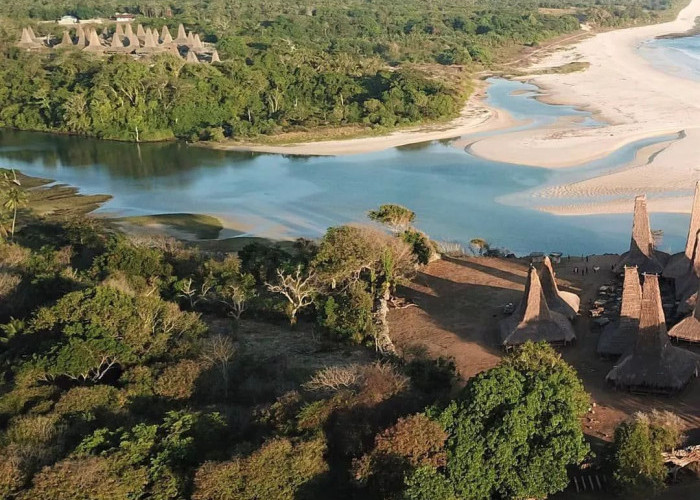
678	56
454	193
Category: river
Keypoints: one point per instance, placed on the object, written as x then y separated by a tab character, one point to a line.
456	196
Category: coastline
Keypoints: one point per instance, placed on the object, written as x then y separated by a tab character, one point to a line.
636	100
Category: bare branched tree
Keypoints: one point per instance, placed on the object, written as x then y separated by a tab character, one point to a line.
218	350
297	288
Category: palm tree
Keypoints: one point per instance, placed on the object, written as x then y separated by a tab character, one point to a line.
15	198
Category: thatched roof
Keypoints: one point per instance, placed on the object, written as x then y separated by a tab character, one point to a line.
197	42
82	39
116	42
140	32
190	40
134	42
533	320
215	57
191	57
31	33
66	41
565	303
119	30
689	328
149	42
181	35
642	253
94	44
653	364
618	337
684	267
165	36
27	41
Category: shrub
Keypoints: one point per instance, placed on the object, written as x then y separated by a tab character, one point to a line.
179	381
277	471
414	441
89	401
102	477
422	247
348	315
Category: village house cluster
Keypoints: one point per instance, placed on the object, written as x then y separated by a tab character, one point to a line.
120	38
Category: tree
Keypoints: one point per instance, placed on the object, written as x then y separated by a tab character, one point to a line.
513	431
479	245
14	198
218	350
396	217
297	287
637	463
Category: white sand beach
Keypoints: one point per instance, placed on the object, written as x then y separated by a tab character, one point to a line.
636	100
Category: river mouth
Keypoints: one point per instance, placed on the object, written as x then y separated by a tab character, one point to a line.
456	195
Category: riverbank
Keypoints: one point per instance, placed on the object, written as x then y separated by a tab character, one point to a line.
476	116
637	101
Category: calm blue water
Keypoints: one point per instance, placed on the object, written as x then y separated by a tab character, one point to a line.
456	196
678	56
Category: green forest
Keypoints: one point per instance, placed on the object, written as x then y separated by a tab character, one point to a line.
286	66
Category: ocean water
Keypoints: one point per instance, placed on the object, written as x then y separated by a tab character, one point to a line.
456	196
677	56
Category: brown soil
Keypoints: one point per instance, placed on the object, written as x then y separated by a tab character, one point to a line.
458	306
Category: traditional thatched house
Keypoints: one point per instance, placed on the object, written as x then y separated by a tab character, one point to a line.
134	42
617	338
653	364
533	320
82	37
66	42
684	267
191	57
215	57
642	253
565	303
27	41
197	42
119	30
181	38
140	32
32	35
688	329
165	37
190	39
94	44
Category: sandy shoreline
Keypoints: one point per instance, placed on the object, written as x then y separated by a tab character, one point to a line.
475	117
637	101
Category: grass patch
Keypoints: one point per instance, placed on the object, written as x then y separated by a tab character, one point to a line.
203	227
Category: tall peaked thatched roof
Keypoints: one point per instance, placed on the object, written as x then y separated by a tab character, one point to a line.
215	57
66	41
82	39
116	42
119	30
689	328
134	42
533	320
31	33
140	32
642	253
684	267
26	41
181	35
197	42
94	43
617	338
149	43
165	34
190	39
565	303
191	57
653	364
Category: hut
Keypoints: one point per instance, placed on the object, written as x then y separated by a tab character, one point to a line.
215	57
688	329
652	364
190	40
533	320
683	267
617	338
94	44
642	253
116	44
119	30
134	42
140	32
197	42
165	37
26	41
32	35
565	303
82	37
191	57
181	38
66	42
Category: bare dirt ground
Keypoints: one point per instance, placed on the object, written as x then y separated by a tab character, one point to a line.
458	306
